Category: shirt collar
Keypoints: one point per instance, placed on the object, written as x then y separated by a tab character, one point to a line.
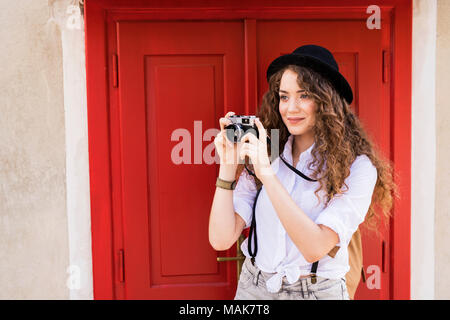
287	152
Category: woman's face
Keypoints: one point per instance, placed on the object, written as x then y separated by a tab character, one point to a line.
297	109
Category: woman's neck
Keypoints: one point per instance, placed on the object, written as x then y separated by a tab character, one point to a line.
300	144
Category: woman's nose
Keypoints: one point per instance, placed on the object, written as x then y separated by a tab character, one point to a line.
293	104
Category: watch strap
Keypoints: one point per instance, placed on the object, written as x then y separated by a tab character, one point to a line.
229	185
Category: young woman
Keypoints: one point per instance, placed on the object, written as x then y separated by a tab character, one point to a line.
299	220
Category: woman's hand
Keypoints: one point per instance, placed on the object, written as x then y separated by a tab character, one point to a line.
227	150
256	150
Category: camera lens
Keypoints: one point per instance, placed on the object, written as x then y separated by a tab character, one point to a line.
234	132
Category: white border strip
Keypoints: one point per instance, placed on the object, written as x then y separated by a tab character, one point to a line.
79	272
423	153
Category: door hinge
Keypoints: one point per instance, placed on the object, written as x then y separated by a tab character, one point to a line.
121	266
386	66
115	70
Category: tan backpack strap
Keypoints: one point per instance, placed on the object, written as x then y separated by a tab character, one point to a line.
355	258
333	251
363	275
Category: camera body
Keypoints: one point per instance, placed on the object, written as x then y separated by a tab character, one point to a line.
240	126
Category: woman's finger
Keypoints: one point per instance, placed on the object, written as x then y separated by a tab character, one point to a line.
250	137
248	150
219	138
223	140
262	131
225	121
243	151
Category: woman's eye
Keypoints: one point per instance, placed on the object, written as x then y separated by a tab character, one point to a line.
303	96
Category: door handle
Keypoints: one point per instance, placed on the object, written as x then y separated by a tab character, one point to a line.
240	256
222	259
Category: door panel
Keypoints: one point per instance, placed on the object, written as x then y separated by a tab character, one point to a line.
176	102
176	79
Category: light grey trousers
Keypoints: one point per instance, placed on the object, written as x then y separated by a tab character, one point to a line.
252	286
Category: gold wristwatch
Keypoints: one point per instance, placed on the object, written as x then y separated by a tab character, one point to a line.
229	185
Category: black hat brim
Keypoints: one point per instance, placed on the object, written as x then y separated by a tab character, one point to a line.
335	77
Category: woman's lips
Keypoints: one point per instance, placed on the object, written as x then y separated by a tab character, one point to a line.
294	120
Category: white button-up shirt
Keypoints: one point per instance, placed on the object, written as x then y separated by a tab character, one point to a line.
276	251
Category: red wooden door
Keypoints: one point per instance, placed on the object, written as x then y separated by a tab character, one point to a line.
175	81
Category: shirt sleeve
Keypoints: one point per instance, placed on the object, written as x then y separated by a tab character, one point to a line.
244	196
346	211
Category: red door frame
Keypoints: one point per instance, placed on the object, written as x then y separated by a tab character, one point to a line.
96	13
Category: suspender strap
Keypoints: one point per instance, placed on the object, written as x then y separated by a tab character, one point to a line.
313	272
314	267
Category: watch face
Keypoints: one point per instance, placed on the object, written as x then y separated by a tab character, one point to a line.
233	184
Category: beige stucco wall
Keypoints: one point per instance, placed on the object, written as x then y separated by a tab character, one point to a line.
34	253
442	218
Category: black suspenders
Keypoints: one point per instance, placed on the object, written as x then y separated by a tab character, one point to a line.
252	233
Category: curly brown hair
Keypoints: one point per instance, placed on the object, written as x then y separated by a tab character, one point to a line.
339	138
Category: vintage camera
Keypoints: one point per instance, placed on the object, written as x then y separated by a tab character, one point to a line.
240	126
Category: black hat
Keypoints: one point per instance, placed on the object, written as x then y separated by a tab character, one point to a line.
319	60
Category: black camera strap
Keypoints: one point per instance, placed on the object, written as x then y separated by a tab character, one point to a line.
295	170
252	233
